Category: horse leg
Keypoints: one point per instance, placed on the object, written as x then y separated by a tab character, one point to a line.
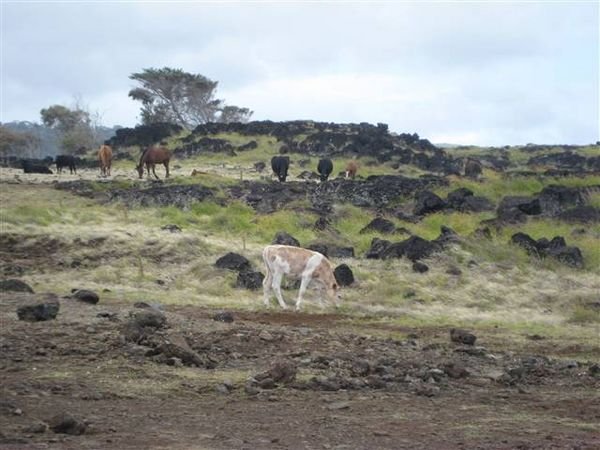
167	169
154	171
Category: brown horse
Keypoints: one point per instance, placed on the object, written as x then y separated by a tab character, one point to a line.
105	155
152	156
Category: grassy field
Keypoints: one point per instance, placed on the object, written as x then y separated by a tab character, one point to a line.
499	287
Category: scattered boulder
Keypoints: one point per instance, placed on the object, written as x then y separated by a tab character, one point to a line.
476	204
65	423
343	275
322	223
39	312
175	346
249	280
526	242
453	270
171	228
379	225
331	250
581	214
83	295
570	256
225	316
427	202
414	248
233	261
554	199
378	246
462	336
149	317
457	197
14	285
280	372
420	267
556	248
259	166
447	236
473	168
455	370
319	248
284	238
514	209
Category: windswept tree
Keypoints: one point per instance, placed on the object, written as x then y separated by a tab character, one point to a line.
76	125
186	99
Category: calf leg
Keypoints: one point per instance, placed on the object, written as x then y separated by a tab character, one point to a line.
303	286
277	288
267	284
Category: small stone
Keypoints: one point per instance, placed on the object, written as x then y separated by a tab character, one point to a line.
335	406
454	271
222	389
267	383
39	312
420	267
224	316
86	296
66	424
251	389
462	336
266	336
38	427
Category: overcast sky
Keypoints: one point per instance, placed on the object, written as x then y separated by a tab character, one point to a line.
471	73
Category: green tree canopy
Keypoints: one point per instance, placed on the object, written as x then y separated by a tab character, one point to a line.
174	96
75	126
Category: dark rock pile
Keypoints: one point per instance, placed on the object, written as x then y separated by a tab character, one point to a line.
556	248
181	196
414	248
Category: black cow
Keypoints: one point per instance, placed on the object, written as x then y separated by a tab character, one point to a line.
33	166
325	168
65	161
280	166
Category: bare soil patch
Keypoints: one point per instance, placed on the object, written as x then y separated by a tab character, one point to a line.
352	389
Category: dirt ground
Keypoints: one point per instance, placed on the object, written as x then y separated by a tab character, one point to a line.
353	388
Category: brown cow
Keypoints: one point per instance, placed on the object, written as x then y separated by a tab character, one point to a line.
105	155
351	169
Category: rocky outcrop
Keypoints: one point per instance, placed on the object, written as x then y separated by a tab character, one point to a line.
555	248
181	196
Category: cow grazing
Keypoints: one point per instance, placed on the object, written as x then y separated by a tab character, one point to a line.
299	263
325	167
63	161
351	169
105	155
280	166
35	166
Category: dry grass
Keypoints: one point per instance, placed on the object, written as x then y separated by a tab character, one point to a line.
139	261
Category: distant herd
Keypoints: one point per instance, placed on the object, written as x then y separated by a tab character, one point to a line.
161	155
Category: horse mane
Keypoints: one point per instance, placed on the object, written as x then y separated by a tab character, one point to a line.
143	154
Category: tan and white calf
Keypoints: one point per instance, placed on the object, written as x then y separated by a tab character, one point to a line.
300	263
